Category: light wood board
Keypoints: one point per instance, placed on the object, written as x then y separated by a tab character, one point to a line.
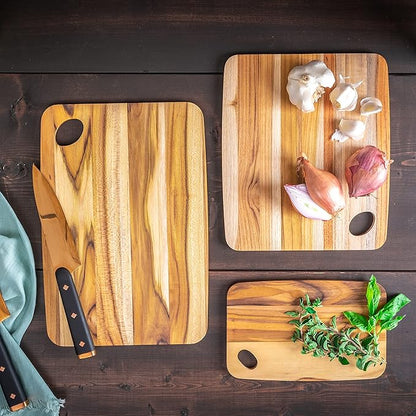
256	322
262	136
133	189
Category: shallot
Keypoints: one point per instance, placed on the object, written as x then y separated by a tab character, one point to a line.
323	187
366	170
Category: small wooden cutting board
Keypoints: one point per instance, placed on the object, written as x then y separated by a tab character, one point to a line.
264	134
257	323
133	190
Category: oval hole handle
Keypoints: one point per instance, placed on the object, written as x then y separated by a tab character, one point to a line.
69	132
361	223
248	359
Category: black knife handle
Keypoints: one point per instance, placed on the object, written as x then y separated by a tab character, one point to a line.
81	336
10	383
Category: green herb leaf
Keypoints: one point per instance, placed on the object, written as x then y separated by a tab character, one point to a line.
373	295
343	360
292	313
391	323
311	310
389	310
372	321
357	320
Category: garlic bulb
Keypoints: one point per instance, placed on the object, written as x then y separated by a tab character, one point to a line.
307	83
353	129
304	204
344	96
370	105
323	187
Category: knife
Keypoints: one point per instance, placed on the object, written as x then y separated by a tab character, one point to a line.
65	261
13	391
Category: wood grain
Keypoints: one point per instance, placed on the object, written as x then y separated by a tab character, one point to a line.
133	189
256	322
263	134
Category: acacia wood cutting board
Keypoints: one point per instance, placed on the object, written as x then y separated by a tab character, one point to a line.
256	322
263	135
133	189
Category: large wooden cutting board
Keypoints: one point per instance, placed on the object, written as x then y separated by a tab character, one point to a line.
256	322
263	134
133	189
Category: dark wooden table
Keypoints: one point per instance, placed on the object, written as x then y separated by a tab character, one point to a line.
90	51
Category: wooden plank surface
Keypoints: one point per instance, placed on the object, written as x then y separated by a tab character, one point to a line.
133	189
256	322
264	134
196	36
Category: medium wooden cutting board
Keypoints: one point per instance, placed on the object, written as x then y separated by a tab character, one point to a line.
133	189
263	134
256	322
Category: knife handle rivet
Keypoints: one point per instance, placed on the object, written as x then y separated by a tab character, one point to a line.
2	369
81	344
65	287
12	396
73	315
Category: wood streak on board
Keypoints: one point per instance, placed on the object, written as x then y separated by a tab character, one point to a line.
133	189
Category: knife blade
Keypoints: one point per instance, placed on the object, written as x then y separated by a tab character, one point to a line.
10	383
65	261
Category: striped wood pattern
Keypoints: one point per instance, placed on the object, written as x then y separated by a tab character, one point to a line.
133	189
263	134
256	322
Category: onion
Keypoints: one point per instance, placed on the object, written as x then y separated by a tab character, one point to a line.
304	204
366	170
323	187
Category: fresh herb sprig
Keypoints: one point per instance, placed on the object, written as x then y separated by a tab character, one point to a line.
359	339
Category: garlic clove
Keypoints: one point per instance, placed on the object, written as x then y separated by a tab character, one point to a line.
344	96
370	105
307	83
353	129
304	204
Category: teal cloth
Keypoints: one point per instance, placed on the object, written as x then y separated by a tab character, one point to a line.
18	288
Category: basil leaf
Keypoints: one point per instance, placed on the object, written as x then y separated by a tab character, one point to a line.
391	323
357	320
393	306
373	295
371	323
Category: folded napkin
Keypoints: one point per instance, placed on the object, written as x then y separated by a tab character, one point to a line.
18	288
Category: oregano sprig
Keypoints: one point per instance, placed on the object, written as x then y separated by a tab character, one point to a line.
359	339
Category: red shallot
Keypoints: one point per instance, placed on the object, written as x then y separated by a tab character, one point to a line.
366	170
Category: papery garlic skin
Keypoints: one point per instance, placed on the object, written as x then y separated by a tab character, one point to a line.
370	105
304	204
366	170
344	96
353	129
307	83
323	186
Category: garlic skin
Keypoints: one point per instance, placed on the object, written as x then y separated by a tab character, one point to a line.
303	203
307	83
323	187
344	96
366	170
347	129
370	105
